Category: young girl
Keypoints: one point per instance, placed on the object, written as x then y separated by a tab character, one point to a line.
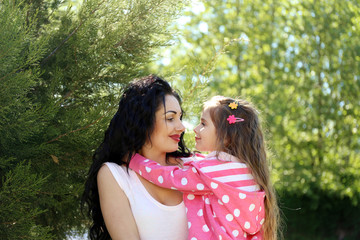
227	193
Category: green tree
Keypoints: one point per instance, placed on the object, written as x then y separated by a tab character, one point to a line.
298	61
20	51
62	68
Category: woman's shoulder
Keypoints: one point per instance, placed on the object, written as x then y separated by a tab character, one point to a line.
110	171
110	168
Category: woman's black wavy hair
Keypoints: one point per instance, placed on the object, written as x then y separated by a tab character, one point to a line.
128	131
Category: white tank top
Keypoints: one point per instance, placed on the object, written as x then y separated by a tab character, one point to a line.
154	220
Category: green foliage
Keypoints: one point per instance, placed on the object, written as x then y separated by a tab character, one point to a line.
62	68
298	61
20	190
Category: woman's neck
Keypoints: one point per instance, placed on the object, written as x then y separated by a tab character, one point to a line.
159	157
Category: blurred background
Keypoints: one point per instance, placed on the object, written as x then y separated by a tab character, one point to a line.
63	65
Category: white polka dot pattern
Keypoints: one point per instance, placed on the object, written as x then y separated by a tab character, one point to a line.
214	185
229	217
242	195
200	186
208	197
184	181
236	212
191	196
205	228
252	207
225	199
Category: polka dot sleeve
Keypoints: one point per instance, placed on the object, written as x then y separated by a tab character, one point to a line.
186	179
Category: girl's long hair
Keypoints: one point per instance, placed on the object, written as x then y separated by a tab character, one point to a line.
245	141
128	131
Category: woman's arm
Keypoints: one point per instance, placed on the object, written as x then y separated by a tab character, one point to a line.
115	207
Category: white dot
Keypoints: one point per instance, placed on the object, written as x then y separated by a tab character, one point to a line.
219	201
242	195
260	209
205	228
262	221
193	238
193	169
189	225
160	179
186	209
207	201
252	207
223	228
191	196
229	217
247	225
245	234
184	181
214	185
200	186
225	198
140	172
236	212
172	173
200	213
173	188
220	237
235	233
257	218
146	160
254	238
148	169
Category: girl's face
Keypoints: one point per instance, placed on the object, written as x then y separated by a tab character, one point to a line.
205	133
168	127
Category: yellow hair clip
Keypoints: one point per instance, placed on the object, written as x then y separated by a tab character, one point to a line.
233	105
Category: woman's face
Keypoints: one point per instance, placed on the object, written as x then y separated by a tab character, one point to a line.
168	127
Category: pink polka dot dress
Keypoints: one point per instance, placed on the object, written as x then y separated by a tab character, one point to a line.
222	199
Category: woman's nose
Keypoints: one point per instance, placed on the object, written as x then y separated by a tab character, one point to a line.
181	126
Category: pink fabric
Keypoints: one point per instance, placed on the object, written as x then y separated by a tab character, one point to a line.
218	207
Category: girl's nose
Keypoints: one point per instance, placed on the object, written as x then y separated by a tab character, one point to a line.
196	130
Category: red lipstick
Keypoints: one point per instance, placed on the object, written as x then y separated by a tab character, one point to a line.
176	137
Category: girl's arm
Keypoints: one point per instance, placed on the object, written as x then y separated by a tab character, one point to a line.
115	207
185	179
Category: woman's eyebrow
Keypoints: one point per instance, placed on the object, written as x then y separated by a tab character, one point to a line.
172	111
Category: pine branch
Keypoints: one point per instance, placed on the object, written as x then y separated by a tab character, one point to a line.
79	129
69	36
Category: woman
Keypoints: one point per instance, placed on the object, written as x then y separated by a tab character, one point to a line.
122	204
